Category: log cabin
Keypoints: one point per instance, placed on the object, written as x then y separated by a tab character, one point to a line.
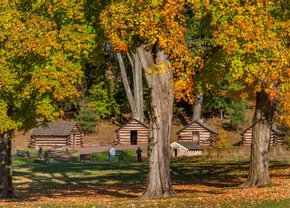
133	132
247	137
197	132
57	134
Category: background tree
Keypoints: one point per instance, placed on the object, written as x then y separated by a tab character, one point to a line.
155	29
197	107
101	86
103	94
42	45
255	53
237	113
214	104
87	119
198	36
136	99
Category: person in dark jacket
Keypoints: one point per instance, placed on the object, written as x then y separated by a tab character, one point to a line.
139	155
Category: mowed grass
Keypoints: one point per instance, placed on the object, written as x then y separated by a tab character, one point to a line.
198	182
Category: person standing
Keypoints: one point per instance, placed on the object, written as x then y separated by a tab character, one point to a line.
39	156
112	153
139	155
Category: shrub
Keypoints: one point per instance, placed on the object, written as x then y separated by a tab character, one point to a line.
286	142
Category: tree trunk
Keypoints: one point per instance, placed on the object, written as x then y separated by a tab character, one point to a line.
6	188
138	87
136	101
161	108
222	113
262	127
197	107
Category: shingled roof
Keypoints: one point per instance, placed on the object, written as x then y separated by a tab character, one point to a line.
201	124
133	119
188	145
55	129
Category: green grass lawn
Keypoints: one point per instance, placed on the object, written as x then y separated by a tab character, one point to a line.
198	182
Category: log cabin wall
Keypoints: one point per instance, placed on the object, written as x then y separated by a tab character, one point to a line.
185	135
76	137
125	131
247	138
48	141
57	134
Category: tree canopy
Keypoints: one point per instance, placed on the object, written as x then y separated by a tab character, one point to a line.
253	37
254	41
131	23
42	45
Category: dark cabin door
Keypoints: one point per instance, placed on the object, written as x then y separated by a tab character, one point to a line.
74	141
134	137
175	152
195	137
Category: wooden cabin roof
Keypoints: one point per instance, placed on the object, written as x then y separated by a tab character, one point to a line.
273	129
133	119
55	129
207	127
188	145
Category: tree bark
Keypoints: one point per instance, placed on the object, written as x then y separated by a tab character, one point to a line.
197	107
161	108
138	87
6	188
136	101
262	127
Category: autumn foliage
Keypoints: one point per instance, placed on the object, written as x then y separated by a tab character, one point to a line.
253	42
42	45
130	23
254	37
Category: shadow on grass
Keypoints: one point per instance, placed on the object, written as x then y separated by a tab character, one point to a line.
34	179
222	175
216	175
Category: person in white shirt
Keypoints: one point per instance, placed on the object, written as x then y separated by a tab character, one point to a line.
112	153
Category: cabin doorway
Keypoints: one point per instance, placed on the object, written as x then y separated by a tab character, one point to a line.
195	137
175	152
134	137
74	141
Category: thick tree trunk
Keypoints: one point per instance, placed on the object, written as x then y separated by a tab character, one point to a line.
6	188
259	163
197	107
161	108
136	101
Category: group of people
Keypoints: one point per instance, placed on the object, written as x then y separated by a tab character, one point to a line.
112	153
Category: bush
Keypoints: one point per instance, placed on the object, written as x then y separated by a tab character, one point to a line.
286	143
221	141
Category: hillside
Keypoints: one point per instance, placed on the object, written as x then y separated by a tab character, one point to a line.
105	132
